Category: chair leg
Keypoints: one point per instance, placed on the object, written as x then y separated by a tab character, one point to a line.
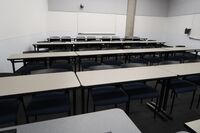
198	102
172	105
192	99
94	108
88	98
128	107
155	111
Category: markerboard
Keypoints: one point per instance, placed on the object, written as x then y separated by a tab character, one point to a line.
195	32
92	23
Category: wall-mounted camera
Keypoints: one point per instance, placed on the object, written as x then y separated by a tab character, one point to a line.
81	6
187	31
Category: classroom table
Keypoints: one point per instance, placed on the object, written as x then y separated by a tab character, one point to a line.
14	58
51	45
123	75
193	126
75	44
182	69
28	84
109	121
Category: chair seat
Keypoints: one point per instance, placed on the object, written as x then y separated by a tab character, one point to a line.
102	67
30	67
108	95
89	63
194	79
112	62
139	91
181	86
9	110
48	103
132	65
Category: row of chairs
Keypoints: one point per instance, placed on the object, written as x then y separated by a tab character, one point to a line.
92	38
40	104
59	102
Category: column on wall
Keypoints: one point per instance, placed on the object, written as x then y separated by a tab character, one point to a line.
131	9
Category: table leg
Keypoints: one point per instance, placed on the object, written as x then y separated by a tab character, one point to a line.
83	99
162	102
13	65
74	101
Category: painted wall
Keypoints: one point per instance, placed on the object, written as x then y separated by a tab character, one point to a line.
183	7
153	8
90	6
21	25
180	16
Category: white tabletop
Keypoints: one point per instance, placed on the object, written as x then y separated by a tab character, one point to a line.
96	42
110	121
182	49
194	125
101	77
100	52
146	50
182	69
42	55
54	43
36	83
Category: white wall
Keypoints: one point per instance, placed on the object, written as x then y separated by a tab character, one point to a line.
175	31
180	16
70	23
22	23
151	27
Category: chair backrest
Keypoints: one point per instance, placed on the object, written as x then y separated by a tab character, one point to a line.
101	67
91	38
133	65
66	39
54	39
106	38
180	46
115	38
80	38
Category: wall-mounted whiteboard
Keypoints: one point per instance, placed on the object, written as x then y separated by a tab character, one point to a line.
92	23
195	32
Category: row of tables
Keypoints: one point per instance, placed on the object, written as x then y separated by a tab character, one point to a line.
28	84
22	85
74	44
79	54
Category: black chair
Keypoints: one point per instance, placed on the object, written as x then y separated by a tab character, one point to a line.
140	91
9	107
9	110
179	86
115	38
132	65
80	38
194	79
66	39
153	59
88	62
31	64
107	95
46	103
106	38
91	38
102	67
54	39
